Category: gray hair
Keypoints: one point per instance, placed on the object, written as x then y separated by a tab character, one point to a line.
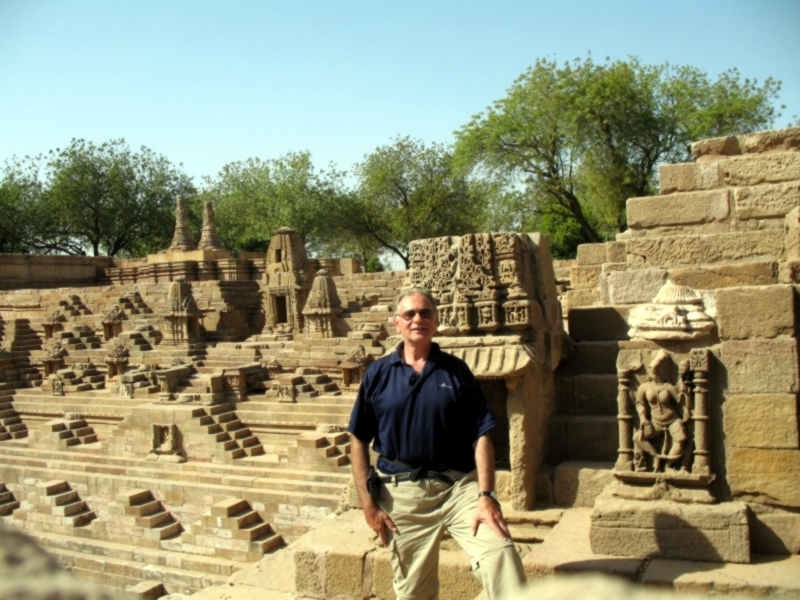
411	292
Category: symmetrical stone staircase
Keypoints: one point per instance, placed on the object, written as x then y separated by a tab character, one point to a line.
82	377
8	503
56	507
136	515
231	529
321	452
233	438
11	425
61	434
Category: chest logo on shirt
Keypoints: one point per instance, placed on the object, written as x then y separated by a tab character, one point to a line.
444	385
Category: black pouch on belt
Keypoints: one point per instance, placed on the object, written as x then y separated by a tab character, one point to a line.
374	484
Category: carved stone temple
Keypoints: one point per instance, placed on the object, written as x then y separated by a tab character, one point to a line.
173	423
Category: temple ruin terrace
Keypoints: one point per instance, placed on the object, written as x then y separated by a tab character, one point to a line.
173	424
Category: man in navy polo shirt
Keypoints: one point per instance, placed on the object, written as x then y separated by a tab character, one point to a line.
429	422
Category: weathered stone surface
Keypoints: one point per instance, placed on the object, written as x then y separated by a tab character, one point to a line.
774	530
566	550
707	249
754	170
565	395
591	358
761	421
712	277
615	252
758	311
585	277
591	254
771	141
592	438
764	577
634	287
670	530
596	394
583	297
688	177
579	483
768	476
760	201
600	323
716	147
761	366
678	209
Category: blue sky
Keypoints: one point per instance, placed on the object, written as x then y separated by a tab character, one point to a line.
207	83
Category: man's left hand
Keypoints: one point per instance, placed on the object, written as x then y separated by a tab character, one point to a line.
489	512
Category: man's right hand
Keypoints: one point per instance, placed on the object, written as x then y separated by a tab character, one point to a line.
379	521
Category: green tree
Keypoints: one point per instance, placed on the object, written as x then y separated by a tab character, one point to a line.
582	138
408	191
253	198
103	198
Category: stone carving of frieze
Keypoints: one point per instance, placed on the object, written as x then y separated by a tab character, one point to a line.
676	313
663	420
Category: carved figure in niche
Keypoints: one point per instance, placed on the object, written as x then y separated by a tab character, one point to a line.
165	444
287	393
663	411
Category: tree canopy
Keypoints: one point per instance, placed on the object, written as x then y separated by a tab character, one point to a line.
103	198
253	198
581	138
408	190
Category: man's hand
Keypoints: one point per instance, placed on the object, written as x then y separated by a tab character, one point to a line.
378	521
489	512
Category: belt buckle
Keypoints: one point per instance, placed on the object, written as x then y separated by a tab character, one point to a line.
394	477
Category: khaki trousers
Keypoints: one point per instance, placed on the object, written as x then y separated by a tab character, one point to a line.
422	511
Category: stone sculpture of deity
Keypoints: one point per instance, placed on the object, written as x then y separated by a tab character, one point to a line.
663	412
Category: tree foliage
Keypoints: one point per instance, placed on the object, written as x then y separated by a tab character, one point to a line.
253	198
408	191
582	138
102	198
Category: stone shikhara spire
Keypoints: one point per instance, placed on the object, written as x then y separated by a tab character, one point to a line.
209	239
182	240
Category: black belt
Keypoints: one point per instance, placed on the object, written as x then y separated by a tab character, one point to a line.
416	475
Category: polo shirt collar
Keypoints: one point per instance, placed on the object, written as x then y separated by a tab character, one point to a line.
398	358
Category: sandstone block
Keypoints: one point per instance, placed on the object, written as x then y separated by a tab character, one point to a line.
773	530
708	249
716	147
761	421
765	475
666	529
773	140
601	323
592	438
754	170
585	277
583	297
565	395
616	252
761	366
688	177
591	358
678	209
591	254
579	483
596	394
344	571
712	277
759	311
789	272
634	287
760	201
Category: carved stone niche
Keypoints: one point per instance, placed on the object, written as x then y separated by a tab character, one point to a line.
53	323
663	425
117	361
354	365
54	359
166	444
112	323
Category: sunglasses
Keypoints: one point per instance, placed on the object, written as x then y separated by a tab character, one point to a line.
425	313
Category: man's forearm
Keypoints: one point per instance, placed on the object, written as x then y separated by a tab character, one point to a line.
484	462
359	457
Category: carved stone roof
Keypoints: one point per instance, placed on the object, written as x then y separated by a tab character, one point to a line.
182	238
286	251
356	359
118	352
498	362
208	238
323	299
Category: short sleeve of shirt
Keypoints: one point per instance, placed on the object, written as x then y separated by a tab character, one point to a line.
363	422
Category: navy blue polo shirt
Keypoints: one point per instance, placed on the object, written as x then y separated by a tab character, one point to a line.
430	419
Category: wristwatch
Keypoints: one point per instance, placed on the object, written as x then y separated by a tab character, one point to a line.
491	495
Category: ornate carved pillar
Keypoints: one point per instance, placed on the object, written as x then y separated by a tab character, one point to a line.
625	419
698	361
